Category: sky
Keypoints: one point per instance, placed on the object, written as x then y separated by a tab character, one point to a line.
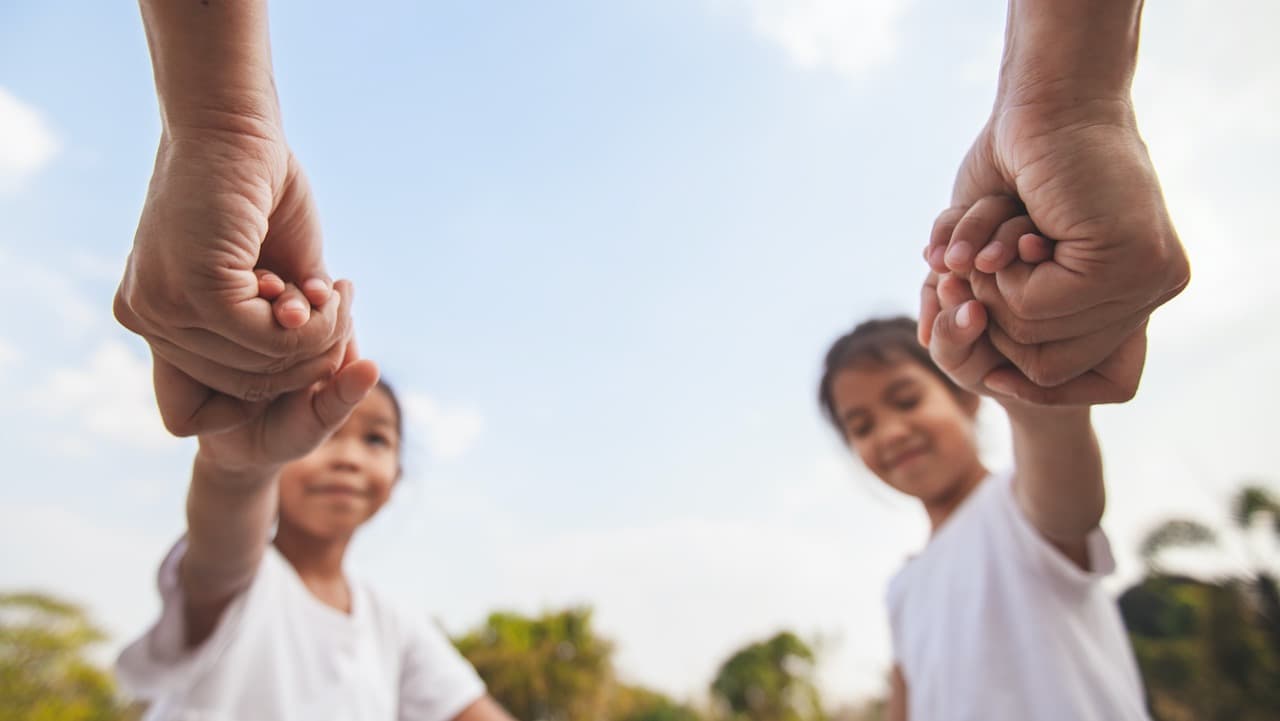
600	249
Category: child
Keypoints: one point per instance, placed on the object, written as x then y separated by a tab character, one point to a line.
262	627
1002	615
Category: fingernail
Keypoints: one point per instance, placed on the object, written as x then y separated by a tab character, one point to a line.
959	253
964	316
315	285
1000	385
992	251
293	305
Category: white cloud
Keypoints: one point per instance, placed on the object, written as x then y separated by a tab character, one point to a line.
8	355
449	432
57	294
109	569
682	595
1207	94
851	37
109	398
26	142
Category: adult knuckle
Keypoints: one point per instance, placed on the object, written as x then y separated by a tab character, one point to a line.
258	387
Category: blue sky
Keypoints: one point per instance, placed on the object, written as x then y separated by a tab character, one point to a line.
601	247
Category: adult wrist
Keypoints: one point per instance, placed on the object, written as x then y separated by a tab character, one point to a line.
1063	52
212	65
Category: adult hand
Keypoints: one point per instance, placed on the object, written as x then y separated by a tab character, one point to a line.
222	207
226	279
961	343
1063	141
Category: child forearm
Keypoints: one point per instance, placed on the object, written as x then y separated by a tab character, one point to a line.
1058	478
229	517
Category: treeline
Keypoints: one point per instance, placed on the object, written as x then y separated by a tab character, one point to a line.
1208	650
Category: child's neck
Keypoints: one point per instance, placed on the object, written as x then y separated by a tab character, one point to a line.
318	562
941	507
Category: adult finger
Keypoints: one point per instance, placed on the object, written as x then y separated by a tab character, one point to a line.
1115	380
188	407
991	290
250	386
1057	362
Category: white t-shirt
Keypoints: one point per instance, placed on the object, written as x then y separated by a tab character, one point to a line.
992	623
280	654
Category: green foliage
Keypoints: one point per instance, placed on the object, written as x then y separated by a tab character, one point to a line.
1208	650
43	673
770	681
634	703
1252	501
550	668
1174	534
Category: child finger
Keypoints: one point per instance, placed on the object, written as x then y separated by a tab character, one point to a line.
291	308
318	289
976	227
1034	248
1003	246
339	396
958	346
929	308
943	228
270	285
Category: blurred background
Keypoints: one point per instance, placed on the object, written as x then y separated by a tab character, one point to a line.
600	249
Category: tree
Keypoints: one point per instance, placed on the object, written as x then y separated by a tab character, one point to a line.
1209	649
635	703
770	681
44	675
549	668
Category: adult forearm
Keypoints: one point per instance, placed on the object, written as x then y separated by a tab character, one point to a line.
229	517
212	63
1068	51
1058	466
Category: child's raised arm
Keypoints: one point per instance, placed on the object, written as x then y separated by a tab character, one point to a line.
1058	468
231	503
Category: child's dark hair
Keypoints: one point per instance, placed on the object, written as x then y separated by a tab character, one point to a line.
395	404
881	341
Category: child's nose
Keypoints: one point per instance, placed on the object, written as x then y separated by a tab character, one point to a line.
344	454
892	429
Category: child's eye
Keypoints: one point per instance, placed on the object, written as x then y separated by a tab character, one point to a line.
377	439
906	403
859	430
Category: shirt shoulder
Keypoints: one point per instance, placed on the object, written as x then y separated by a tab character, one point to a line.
159	662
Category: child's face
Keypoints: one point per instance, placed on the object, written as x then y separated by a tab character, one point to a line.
907	426
341	484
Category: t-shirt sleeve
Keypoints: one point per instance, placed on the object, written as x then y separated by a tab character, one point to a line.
1047	558
436	682
159	663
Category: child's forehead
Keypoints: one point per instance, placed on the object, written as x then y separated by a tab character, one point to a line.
377	407
868	374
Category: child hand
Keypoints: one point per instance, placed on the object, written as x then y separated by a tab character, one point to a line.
292	425
290	304
986	237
